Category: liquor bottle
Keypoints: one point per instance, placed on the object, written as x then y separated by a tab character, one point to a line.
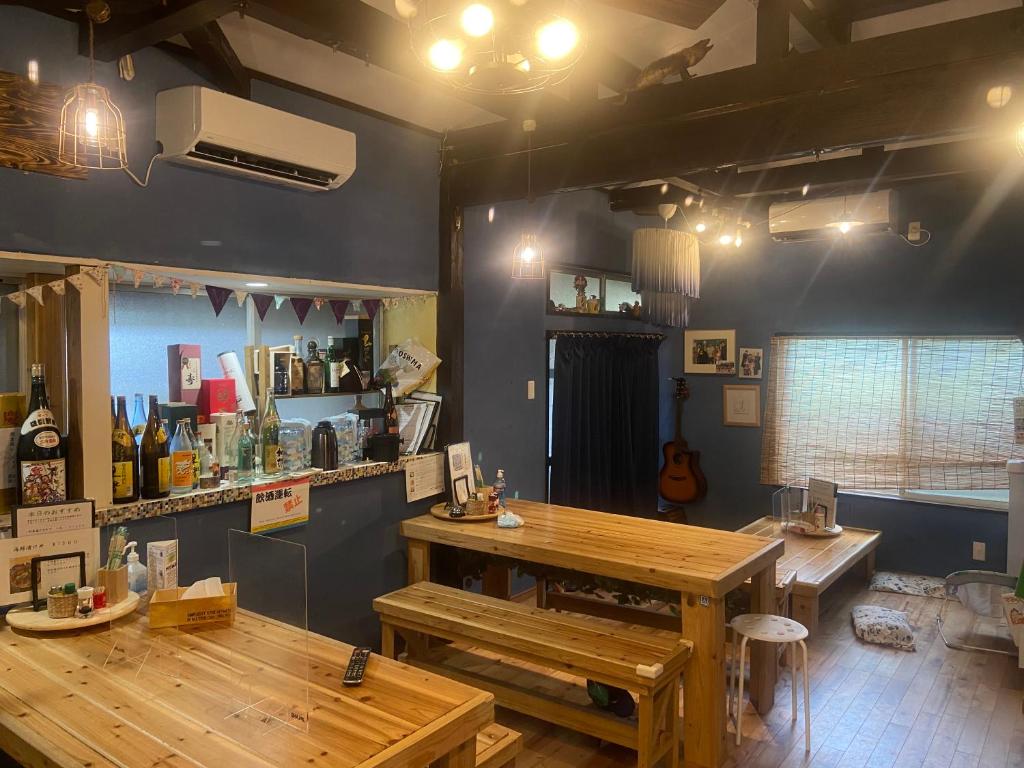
334	367
298	368
155	456
196	443
181	460
270	438
125	455
499	488
245	454
209	469
138	420
366	346
282	384
390	411
42	451
314	370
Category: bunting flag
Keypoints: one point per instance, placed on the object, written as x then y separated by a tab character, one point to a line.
240	296
371	306
97	274
318	301
36	292
137	275
301	305
117	274
339	307
58	287
78	281
159	281
175	285
262	301
194	289
18	297
279	300
218	297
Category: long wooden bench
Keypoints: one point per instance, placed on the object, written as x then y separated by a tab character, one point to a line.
497	747
646	662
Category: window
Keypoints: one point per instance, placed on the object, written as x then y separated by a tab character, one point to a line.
925	416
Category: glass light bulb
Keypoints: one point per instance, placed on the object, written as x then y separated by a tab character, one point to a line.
845	227
725	239
701	227
524	65
528	253
738	240
445	55
92	120
557	39
477	20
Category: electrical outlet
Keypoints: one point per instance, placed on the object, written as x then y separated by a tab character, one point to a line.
531	389
914	231
978	551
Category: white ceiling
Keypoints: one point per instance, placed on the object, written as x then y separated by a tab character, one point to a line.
637	39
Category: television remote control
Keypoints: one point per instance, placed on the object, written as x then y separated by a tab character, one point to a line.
356	667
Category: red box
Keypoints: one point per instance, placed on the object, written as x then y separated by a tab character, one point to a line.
216	396
184	373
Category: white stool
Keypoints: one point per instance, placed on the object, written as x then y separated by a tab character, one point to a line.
769	629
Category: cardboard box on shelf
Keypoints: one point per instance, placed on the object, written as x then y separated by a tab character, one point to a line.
184	372
172	413
162	564
225	423
215	396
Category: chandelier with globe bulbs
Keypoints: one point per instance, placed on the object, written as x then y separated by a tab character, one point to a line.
498	46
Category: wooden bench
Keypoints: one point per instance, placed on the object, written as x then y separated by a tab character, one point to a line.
819	562
497	747
485	631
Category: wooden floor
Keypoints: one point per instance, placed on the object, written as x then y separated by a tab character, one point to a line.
870	706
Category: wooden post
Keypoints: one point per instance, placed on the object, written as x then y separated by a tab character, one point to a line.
704	717
772	30
88	345
497	582
419	561
47	344
451	312
763	656
463	756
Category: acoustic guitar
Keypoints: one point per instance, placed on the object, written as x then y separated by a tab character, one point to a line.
681	480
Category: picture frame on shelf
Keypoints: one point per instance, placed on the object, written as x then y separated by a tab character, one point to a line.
741	405
61	568
751	362
705	351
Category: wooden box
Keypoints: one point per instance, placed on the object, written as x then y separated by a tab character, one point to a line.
167	609
115	582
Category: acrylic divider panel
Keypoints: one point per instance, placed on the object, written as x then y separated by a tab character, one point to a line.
271	688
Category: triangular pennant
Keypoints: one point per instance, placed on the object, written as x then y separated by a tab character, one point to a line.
194	289
18	297
175	285
218	297
301	306
371	306
339	307
57	286
78	281
159	281
96	274
262	301
240	297
318	301
36	292
279	300
137	275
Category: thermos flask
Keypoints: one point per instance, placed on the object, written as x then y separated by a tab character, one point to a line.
325	446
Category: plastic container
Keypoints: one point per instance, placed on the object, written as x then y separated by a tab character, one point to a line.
295	441
138	575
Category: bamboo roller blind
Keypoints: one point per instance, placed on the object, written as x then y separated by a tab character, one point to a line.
906	413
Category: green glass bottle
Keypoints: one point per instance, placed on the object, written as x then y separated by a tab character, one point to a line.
270	438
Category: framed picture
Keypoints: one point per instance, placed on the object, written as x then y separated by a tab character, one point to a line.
36	519
462	485
707	350
741	405
751	362
54	571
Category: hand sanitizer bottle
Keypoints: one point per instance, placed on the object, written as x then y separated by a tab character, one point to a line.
138	581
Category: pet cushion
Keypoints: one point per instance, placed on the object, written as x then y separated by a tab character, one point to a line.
908	584
883	626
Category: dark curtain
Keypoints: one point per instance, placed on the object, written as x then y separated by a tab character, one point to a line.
604	452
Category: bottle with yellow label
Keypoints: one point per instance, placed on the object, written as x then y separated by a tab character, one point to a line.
155	456
125	454
181	460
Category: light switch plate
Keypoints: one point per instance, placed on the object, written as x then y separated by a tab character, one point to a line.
531	389
978	551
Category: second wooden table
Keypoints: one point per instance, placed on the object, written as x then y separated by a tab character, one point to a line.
702	564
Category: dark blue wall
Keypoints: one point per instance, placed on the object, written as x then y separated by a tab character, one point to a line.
966	280
379	228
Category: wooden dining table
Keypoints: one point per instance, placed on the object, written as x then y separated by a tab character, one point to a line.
701	564
60	706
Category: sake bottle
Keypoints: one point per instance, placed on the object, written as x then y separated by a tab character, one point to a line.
138	420
155	456
42	450
196	443
125	455
270	438
181	460
245	451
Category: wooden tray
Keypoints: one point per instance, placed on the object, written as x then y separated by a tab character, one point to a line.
38	621
825	533
438	511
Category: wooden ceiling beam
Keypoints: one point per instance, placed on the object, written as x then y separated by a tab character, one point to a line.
772	30
127	33
215	52
826	31
683	13
858	10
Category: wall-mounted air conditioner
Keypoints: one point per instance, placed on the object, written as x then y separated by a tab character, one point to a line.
813	219
214	130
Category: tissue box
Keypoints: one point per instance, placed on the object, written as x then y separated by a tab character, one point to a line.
215	396
162	564
184	372
167	609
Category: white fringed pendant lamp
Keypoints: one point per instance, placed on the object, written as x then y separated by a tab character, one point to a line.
92	131
666	271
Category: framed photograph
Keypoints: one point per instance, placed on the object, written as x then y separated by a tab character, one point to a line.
462	485
751	362
741	405
36	519
706	350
